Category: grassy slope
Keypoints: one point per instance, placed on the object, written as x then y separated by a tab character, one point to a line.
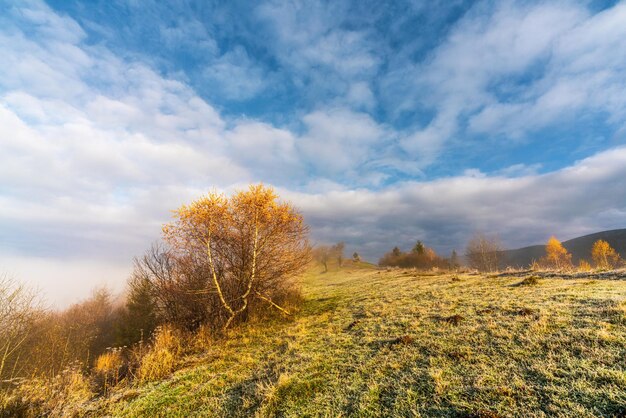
339	357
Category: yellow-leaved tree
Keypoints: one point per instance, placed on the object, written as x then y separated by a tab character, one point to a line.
604	256
251	244
556	256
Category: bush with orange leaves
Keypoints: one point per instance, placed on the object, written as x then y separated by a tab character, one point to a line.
248	247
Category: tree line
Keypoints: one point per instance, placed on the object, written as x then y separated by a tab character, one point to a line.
485	254
420	256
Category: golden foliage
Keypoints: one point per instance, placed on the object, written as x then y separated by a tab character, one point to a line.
604	256
251	245
557	256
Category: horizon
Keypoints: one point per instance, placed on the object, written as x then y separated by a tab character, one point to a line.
384	123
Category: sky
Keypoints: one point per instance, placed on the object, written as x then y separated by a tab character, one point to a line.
383	122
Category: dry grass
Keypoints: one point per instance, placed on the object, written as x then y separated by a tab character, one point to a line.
110	367
161	360
64	395
378	343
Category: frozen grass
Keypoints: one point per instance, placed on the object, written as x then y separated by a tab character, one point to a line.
397	343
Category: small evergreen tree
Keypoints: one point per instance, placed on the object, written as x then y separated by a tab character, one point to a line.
139	318
454	260
419	248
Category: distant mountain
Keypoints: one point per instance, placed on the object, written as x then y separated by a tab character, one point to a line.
579	248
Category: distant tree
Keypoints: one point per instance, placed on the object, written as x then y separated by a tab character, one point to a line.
419	248
556	256
483	253
391	259
428	254
604	256
322	254
356	257
337	252
454	260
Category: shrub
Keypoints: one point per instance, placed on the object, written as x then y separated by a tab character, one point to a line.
556	256
604	256
420	257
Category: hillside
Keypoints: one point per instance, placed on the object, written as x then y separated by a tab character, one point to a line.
380	343
580	248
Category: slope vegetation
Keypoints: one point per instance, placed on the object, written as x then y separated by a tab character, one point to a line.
399	343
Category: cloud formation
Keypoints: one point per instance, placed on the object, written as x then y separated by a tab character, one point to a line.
506	117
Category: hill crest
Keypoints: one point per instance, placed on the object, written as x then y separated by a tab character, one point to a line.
579	247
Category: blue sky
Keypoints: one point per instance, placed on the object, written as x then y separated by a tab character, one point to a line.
385	122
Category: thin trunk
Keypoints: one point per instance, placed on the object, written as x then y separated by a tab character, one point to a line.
215	281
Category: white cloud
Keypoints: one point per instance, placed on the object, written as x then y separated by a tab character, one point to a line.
340	141
360	96
309	34
584	73
236	76
270	150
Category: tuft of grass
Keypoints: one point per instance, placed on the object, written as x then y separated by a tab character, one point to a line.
405	339
483	413
109	367
526	312
454	319
161	360
530	281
